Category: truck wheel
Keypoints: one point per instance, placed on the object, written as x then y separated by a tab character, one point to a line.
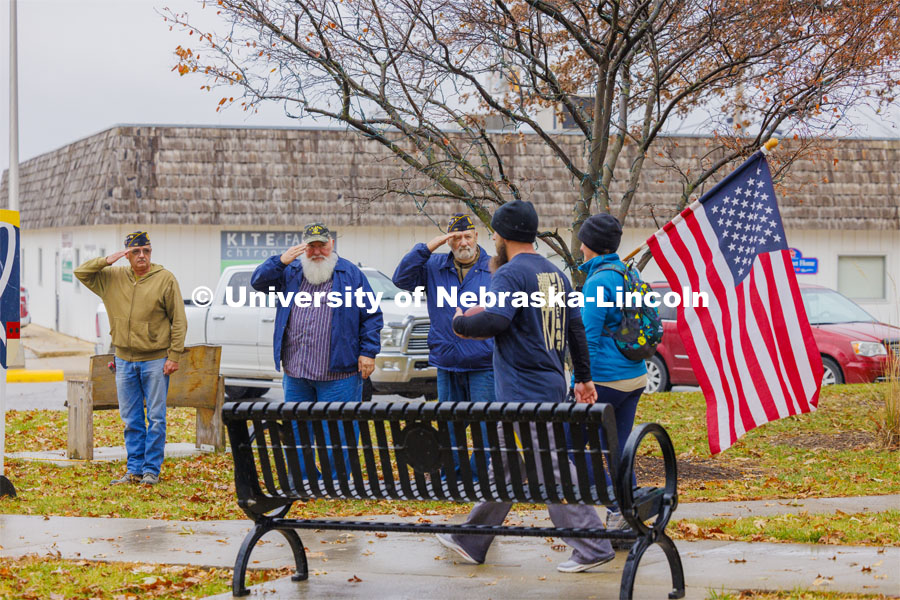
367	390
254	392
236	392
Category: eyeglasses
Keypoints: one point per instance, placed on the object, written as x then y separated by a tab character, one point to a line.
137	251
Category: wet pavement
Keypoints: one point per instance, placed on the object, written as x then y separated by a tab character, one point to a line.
415	565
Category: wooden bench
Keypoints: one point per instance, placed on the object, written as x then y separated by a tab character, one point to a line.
196	384
404	448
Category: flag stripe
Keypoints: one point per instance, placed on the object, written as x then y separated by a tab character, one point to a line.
780	331
764	321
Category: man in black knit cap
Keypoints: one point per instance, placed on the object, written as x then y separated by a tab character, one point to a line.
529	366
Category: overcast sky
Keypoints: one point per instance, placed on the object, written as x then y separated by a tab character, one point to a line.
87	65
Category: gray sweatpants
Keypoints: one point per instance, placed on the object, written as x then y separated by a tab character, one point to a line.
584	550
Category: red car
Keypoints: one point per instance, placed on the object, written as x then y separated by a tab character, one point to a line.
853	344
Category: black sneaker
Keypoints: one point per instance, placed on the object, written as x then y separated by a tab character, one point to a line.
126	478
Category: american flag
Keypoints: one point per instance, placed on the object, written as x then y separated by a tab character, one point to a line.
752	349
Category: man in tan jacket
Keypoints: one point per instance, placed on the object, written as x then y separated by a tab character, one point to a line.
148	326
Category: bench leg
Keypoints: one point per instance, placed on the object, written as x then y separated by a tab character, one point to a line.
634	558
302	571
631	565
80	442
668	546
243	558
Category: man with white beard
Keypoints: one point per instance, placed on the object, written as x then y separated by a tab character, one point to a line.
325	351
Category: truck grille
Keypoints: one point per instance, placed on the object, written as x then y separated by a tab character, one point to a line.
418	337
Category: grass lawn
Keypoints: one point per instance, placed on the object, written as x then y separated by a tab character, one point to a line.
832	452
862	529
41	578
792	595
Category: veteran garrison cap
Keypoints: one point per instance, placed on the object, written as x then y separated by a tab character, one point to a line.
137	239
316	232
460	222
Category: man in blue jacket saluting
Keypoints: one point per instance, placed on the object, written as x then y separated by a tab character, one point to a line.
465	371
325	351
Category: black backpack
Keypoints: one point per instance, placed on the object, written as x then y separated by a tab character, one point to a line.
641	330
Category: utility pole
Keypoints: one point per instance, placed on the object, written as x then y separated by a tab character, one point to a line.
6	486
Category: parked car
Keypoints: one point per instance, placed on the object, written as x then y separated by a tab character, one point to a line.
854	346
245	334
24	315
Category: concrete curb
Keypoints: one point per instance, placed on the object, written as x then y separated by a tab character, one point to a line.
34	375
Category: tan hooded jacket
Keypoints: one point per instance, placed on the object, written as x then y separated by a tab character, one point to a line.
146	315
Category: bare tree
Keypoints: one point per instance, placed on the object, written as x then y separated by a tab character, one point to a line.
432	79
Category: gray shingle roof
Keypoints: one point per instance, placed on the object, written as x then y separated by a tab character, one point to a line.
258	176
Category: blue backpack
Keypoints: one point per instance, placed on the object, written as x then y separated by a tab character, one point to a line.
641	330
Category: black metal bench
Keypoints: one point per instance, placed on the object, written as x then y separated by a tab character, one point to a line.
404	448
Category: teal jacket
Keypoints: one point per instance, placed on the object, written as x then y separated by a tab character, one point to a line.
607	363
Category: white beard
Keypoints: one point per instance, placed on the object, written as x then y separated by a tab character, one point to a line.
464	255
318	271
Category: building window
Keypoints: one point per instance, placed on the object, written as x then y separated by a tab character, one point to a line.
861	277
40	266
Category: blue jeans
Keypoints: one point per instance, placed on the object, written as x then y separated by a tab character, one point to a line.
136	382
297	389
625	406
465	386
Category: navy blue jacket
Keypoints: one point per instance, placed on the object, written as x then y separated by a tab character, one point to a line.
354	331
447	350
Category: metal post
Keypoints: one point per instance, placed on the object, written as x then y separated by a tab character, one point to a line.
6	487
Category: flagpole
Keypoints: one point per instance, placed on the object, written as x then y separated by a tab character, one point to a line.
6	486
765	149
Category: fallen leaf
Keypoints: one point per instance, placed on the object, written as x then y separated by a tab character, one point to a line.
737	560
354	579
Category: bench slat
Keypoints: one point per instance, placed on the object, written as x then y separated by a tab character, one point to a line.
570	492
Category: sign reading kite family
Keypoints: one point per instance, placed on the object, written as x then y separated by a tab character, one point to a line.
253	247
9	286
803	265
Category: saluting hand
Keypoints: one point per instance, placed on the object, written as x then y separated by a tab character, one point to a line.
440	240
115	256
291	254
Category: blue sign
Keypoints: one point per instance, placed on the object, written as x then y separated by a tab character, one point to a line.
10	303
804	265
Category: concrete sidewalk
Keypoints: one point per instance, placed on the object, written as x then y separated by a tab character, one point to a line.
406	565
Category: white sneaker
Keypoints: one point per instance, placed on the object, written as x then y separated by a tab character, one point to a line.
570	566
447	540
615	520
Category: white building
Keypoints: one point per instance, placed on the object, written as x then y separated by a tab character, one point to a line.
210	197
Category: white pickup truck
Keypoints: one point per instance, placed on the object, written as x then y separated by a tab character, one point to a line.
245	334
